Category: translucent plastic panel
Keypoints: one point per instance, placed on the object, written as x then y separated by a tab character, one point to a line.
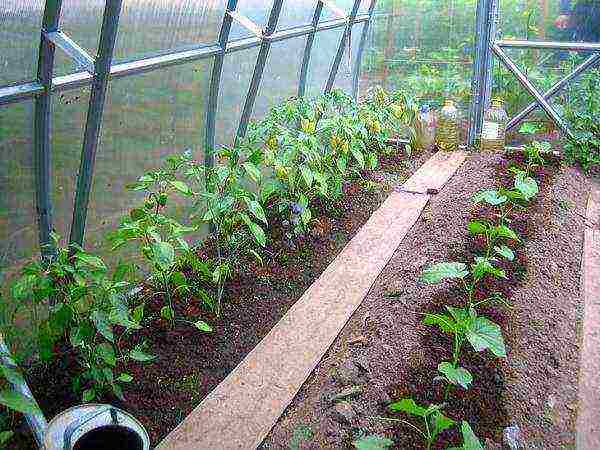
237	72
323	52
344	76
18	226
566	20
280	79
345	5
69	113
297	12
147	118
19	39
257	11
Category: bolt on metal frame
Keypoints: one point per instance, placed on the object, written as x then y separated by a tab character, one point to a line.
97	72
488	45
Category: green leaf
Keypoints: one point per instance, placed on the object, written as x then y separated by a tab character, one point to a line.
138	355
5	436
458	376
409	406
164	254
252	171
203	326
358	155
256	210
477	227
491	197
484	266
444	322
88	395
444	270
439	423
167	313
107	353
527	186
373	442
90	261
18	402
181	187
125	378
11	374
307	175
470	441
504	251
102	324
529	128
256	230
505	232
483	334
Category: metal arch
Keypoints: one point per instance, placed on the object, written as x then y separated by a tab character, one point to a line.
43	128
360	51
259	67
215	85
342	46
108	35
310	40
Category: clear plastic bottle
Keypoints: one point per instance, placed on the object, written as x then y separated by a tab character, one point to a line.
493	133
446	135
425	129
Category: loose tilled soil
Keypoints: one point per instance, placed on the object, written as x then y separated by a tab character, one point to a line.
191	364
385	353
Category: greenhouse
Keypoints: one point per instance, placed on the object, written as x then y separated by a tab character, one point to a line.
338	224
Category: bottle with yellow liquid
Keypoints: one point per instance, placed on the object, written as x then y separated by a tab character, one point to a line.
446	136
493	133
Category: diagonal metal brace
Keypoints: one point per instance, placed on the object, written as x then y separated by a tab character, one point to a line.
71	48
339	12
247	24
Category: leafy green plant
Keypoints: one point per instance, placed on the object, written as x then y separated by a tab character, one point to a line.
470	440
372	442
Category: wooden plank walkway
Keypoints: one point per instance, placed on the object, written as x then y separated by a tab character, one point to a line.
241	411
588	420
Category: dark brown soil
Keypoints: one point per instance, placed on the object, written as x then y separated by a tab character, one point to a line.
190	364
387	351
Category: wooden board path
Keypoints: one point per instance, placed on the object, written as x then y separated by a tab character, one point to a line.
588	420
242	409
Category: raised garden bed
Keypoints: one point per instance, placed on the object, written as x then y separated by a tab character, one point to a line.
386	353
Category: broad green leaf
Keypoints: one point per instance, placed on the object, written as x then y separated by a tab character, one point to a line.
504	251
477	227
439	423
138	355
529	128
342	163
5	436
88	395
167	313
125	378
484	266
11	374
107	353
505	232
256	230
164	254
444	270
256	210
252	171
458	376
373	442
483	334
491	197
102	324
307	175
90	261
16	401
178	280
409	406
470	441
358	155
444	322
203	326
181	187
527	186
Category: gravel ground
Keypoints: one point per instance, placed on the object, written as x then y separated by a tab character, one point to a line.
384	352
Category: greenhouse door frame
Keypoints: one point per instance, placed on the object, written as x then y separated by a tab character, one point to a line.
488	45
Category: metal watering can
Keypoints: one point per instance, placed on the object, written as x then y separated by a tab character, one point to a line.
95	427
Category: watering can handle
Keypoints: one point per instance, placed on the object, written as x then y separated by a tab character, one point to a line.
73	427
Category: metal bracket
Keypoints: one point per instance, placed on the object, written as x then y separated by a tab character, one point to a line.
70	47
247	24
337	11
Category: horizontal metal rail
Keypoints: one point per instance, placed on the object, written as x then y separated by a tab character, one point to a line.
27	90
581	46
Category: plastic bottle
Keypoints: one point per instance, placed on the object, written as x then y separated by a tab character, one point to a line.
493	133
425	129
446	136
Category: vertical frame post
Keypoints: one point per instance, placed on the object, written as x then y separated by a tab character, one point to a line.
215	85
481	84
360	51
308	50
341	47
108	35
43	127
259	67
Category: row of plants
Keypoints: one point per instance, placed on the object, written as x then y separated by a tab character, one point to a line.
301	153
467	325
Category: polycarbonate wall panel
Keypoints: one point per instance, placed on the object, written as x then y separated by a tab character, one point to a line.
296	13
323	52
147	118
18	226
344	76
19	39
257	11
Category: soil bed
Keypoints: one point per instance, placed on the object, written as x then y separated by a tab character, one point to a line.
191	364
385	353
